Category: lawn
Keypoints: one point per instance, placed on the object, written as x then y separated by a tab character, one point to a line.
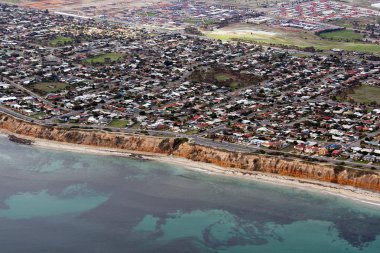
222	77
192	21
297	39
151	14
357	23
190	132
120	123
234	85
343	23
209	21
104	58
195	21
61	41
48	87
362	47
40	115
366	94
342	35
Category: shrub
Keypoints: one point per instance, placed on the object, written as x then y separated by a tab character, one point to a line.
338	169
178	141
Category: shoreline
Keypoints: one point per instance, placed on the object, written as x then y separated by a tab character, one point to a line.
366	197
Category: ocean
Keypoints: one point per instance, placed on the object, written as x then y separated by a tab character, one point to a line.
56	201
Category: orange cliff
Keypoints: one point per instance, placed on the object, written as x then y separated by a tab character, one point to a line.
280	165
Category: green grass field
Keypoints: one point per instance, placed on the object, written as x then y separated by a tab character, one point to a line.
366	94
300	40
48	87
193	21
357	23
342	35
198	20
40	115
222	77
347	25
105	58
118	123
343	23
147	13
61	41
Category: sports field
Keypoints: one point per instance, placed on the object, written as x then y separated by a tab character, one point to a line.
366	94
61	41
105	58
342	35
288	38
45	88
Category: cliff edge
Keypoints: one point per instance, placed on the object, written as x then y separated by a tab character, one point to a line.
369	180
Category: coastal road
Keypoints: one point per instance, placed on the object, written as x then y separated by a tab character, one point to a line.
197	140
18	115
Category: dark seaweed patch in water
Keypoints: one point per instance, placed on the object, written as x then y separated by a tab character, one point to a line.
161	191
238	239
184	245
355	228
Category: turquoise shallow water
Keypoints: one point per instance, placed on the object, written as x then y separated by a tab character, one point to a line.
53	201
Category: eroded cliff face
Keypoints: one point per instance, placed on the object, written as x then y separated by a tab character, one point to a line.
86	137
282	166
249	162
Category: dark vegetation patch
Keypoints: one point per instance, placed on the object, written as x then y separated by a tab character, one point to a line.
178	141
221	76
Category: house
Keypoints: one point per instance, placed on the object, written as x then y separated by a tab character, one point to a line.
300	147
356	157
333	146
311	149
4	86
336	152
323	151
369	158
7	99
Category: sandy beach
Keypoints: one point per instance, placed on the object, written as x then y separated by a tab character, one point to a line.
349	192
